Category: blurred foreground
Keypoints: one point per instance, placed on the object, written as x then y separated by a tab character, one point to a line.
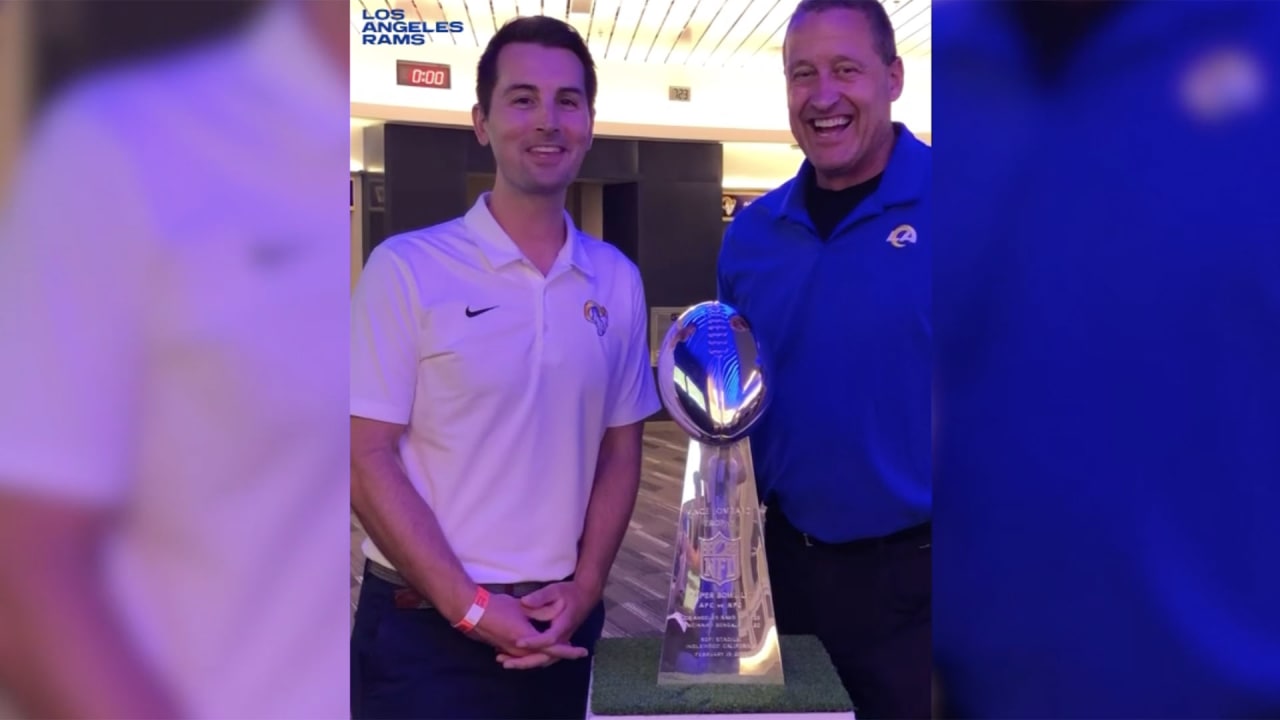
1107	309
173	299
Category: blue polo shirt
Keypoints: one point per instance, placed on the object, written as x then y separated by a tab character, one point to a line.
844	447
1107	310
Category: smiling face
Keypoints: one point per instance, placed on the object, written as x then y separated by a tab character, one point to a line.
539	122
838	93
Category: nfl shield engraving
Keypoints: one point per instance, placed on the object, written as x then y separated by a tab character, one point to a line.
720	625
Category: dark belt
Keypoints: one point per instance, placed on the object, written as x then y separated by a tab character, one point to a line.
408	598
921	534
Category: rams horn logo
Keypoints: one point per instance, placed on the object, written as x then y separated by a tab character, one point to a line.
597	315
902	236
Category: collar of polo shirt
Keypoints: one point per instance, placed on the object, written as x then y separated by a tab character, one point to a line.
500	250
905	181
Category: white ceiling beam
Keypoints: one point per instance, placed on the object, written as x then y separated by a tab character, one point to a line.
650	24
503	11
529	8
703	15
736	28
558	9
451	11
603	13
728	12
624	34
677	16
756	50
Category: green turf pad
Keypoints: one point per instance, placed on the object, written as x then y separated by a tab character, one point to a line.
625	682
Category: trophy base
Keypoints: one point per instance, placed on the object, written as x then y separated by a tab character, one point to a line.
625	684
677	678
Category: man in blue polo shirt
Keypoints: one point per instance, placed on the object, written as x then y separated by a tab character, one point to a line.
1108	344
833	272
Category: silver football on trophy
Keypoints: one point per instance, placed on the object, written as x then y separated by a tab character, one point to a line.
711	374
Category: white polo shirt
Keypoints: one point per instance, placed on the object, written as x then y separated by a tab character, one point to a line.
506	381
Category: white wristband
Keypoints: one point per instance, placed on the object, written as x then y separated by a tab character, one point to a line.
475	612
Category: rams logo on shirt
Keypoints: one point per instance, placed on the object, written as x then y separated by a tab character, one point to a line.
597	315
902	236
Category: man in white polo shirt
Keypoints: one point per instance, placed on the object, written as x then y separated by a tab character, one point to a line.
500	380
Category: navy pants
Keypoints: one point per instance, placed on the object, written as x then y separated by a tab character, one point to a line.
409	663
869	602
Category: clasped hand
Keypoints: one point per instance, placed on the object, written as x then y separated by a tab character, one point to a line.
507	625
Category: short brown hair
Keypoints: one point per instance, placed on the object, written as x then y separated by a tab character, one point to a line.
872	10
537	30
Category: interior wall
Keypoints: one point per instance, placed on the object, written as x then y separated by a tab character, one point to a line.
668	193
15	68
592	208
357	228
748	166
583	201
477	184
632	99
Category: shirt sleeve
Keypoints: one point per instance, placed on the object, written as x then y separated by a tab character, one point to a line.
73	239
384	340
635	394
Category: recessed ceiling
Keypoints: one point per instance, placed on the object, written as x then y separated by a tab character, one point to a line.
698	33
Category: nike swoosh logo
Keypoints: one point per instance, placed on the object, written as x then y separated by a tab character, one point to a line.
473	313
